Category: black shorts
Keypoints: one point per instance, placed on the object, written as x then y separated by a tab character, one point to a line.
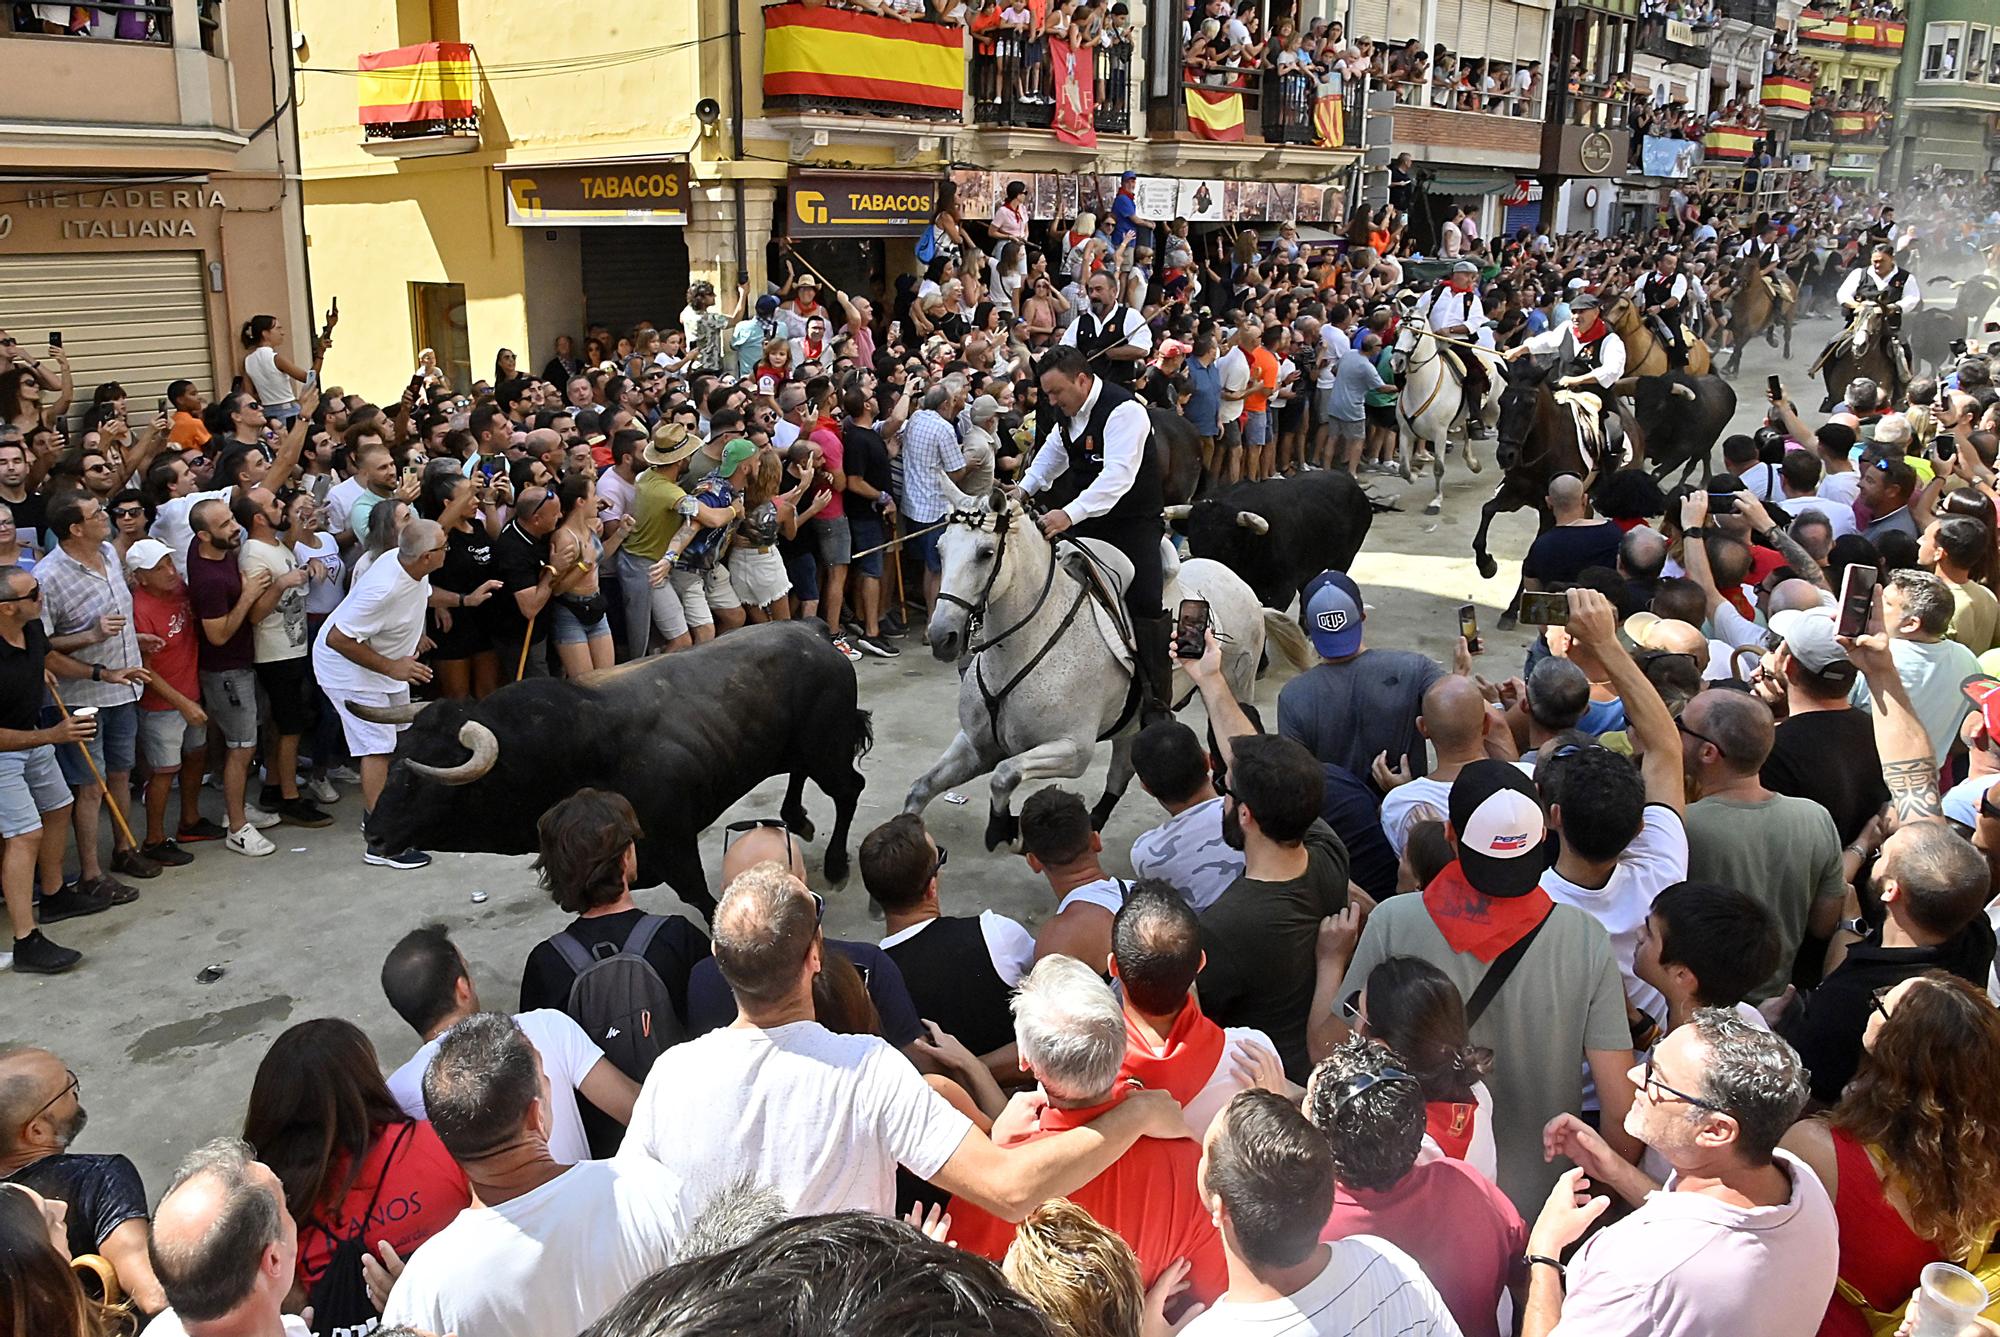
288	685
1382	416
470	634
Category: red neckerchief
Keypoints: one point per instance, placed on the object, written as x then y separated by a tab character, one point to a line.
1055	1120
1192	1053
813	347
1596	331
1734	594
1451	1124
1471	921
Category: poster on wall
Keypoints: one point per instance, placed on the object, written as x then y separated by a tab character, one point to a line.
1045	196
1675	158
1310	198
1200	202
1069	197
1253	201
976	196
1284	202
1157	197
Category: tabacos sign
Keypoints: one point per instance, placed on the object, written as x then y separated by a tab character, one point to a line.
613	194
858	204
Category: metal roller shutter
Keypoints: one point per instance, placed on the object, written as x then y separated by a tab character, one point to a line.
635	276
1370	18
139	319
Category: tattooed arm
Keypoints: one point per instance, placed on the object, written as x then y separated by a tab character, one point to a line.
1909	765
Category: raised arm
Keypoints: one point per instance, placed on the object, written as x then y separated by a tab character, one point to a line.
1592	621
1225	717
1909	764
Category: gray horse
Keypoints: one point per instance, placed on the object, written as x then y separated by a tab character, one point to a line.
1046	676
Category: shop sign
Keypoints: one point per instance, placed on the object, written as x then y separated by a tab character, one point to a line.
859	204
111	213
612	194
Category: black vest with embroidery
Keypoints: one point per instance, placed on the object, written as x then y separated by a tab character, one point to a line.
1145	497
1889	290
1093	337
1585	357
1659	288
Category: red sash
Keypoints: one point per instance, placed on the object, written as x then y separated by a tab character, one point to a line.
1471	921
1193	1051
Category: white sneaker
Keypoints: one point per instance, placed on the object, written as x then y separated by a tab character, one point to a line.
321	789
345	775
246	840
258	818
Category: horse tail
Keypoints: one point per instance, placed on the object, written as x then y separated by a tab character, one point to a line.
1283	633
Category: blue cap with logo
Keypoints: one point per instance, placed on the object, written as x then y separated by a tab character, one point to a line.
1333	615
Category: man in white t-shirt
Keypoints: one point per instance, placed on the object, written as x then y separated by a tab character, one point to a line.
1455	718
430	986
1187	850
224	1247
279	649
825	1119
544	1248
366	655
1267	1174
1232	370
1061	843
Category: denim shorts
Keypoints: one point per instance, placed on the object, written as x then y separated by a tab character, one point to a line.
113	748
803	569
165	738
925	546
230	698
1256	428
31	784
834	540
865	533
568	629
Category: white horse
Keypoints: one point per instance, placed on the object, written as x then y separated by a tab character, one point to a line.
1047	675
1431	405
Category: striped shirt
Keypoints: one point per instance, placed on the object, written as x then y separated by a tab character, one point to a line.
1370	1288
930	451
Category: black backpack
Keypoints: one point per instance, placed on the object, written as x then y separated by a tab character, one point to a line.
339	1299
620	1000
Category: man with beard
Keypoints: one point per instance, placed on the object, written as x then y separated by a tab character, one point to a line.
41	1115
223	593
279	649
1110	335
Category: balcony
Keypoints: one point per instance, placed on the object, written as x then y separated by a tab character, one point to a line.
844	62
119	21
1675	41
1860	129
1756	13
1271	107
420	101
1851	32
1020	83
1785	95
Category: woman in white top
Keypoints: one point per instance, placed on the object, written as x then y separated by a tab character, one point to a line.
271	376
1010	216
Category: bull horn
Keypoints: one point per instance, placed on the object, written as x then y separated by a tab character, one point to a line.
1177	512
485	751
1684	391
402	713
1253	522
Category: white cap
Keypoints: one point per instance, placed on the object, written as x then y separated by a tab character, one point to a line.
147	554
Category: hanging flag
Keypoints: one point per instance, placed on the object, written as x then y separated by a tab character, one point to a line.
1786	91
842	53
1330	117
1215	113
1074	75
1728	143
432	81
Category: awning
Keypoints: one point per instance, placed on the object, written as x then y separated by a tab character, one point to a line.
1851	171
1307	232
1455	183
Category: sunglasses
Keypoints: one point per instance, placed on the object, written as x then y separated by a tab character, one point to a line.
126	512
1878	1000
34	592
72	1085
1702	738
1367	1081
749	824
1650	1081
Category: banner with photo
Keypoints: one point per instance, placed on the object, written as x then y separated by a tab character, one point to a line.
1663	157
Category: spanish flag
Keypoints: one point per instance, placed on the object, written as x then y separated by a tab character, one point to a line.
432	81
843	53
1848	124
1781	90
1215	113
1728	143
1889	33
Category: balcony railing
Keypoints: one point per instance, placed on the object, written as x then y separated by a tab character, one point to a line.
1276	107
819	58
1756	13
1861	127
1852	32
420	100
112	20
1675	41
1011	84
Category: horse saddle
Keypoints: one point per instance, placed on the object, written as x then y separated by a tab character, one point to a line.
1106	573
1454	359
1781	288
1586	409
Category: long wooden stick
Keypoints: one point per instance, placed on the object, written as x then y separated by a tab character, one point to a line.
97	775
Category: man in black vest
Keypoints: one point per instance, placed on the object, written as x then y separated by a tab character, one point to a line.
1663	295
1891	286
961	972
1100	455
1112	337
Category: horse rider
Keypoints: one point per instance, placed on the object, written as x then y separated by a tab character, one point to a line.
1110	335
1888	284
1663	294
1596	355
1767	256
1452	309
1101	450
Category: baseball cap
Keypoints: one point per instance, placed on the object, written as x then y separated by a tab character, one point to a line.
1128	176
1809	634
1983	691
1502	834
766	304
1333	618
734	454
1465	267
147	554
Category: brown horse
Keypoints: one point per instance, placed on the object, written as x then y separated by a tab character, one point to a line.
1645	354
1753	311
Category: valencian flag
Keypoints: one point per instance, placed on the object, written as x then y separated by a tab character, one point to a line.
1329	117
1782	90
856	57
432	81
1073	72
1215	113
1728	143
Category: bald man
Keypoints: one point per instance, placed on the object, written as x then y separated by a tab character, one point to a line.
1578	541
41	1114
225	1248
1456	720
710	1004
546	444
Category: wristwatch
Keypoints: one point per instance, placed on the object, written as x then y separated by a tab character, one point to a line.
1856	926
97	673
1699	531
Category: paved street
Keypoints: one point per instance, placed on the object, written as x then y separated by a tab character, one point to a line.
166	1061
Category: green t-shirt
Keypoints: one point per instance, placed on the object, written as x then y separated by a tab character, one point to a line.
1784	853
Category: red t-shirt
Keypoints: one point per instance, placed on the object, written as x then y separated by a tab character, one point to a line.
826	435
426	1189
1461	1230
173	622
1148	1197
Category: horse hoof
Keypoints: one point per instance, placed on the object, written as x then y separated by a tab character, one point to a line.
1433	507
1508	621
1002	828
799	824
1488	568
836	866
1472	460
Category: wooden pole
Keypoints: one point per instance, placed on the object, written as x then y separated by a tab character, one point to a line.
110	802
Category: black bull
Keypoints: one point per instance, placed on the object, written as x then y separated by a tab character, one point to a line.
681	736
1280	533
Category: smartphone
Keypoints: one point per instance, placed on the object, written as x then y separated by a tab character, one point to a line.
1947	446
413	471
1468	626
163	408
55	338
1545	608
312	380
1191	631
1775	386
1857	598
1722	503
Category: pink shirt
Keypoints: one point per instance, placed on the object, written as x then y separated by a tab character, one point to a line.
1686	1265
1460	1228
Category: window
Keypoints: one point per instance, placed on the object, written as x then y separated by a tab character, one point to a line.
1942	50
1976	44
437	322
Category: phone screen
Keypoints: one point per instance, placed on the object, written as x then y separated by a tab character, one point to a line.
1191	631
1777	387
55	338
1545	608
1468	626
1857	597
